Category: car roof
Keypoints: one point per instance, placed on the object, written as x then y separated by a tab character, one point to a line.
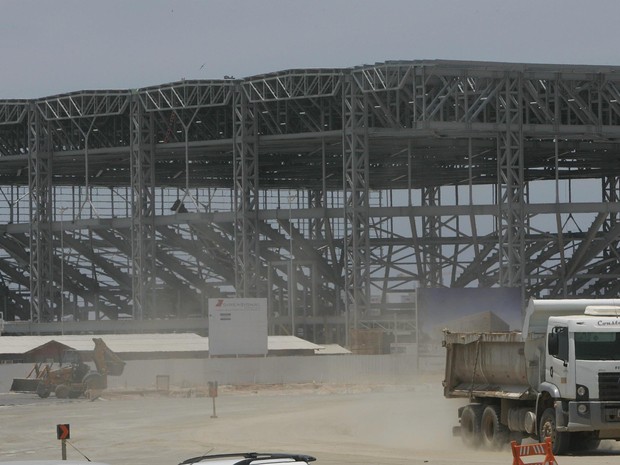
243	461
250	458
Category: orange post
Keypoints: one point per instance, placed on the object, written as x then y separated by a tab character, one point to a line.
543	448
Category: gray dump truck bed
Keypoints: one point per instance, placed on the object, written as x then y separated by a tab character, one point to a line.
491	364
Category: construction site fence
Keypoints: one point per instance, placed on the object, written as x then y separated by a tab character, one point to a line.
324	369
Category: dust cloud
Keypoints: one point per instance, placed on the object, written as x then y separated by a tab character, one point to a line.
361	424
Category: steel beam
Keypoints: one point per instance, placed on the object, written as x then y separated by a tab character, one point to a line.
246	192
356	191
143	247
511	188
40	190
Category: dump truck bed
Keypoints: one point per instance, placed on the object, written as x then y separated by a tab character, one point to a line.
489	364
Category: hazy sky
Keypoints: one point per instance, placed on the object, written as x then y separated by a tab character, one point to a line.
57	46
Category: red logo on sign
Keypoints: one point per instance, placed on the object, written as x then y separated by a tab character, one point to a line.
219	302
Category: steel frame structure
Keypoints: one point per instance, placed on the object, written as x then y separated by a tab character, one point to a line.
331	192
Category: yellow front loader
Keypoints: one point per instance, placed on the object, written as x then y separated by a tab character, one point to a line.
71	377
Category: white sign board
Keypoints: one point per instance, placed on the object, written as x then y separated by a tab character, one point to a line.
238	327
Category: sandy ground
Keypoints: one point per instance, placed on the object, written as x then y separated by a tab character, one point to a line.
390	425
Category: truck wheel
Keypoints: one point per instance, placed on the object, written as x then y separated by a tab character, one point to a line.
62	391
470	425
494	434
559	440
43	390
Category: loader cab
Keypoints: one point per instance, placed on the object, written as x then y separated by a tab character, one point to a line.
79	369
70	357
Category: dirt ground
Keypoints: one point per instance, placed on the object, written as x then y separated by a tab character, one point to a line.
391	425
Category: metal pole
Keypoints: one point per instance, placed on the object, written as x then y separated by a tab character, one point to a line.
213	395
64	449
62	271
214	412
292	285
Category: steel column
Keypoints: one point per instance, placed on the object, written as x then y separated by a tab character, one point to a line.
40	188
143	211
356	190
511	185
246	195
431	228
611	194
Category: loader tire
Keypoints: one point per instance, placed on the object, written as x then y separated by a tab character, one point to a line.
62	391
43	390
94	380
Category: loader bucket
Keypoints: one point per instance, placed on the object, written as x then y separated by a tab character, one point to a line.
25	384
115	367
106	361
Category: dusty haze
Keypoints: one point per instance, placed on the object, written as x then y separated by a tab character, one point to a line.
338	424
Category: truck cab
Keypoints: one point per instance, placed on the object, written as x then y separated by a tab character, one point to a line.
582	371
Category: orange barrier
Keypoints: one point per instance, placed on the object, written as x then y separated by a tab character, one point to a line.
543	448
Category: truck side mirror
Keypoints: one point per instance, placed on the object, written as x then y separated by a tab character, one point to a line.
553	344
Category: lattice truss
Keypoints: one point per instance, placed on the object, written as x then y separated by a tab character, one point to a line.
328	191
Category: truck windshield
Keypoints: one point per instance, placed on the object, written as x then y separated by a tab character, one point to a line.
597	346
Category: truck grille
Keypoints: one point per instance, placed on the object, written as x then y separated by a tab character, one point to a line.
609	386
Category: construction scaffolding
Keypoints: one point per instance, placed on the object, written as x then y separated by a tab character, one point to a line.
333	193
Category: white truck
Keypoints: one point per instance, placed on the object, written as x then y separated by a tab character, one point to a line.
558	377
